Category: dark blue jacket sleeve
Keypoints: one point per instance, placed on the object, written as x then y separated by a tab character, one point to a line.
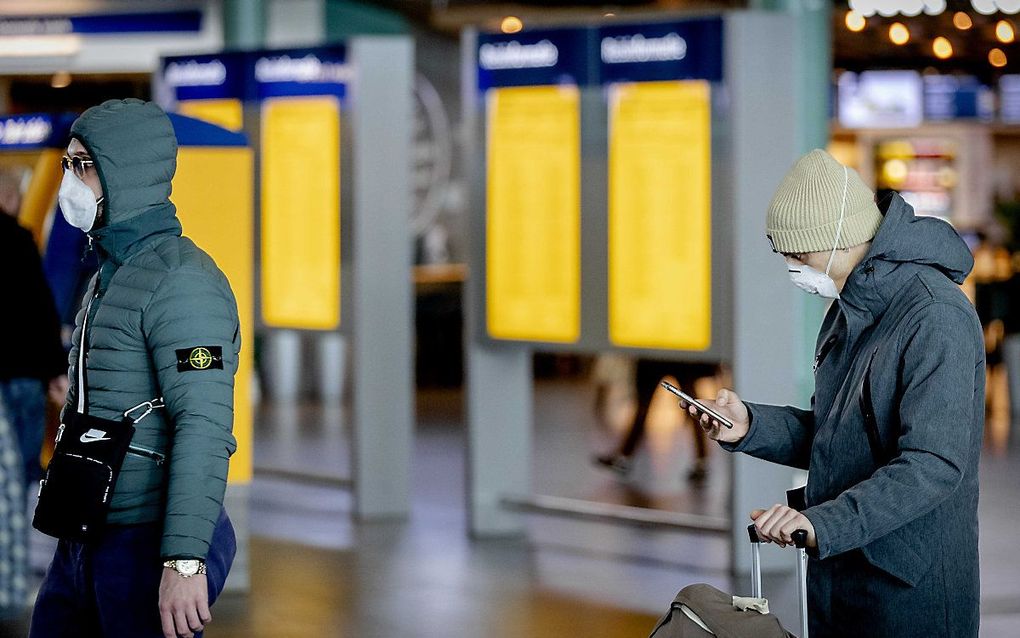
781	434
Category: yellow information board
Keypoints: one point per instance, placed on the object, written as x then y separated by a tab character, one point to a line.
300	160
533	230
226	112
660	259
213	193
41	196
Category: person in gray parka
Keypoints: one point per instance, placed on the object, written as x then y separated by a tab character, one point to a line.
893	436
159	321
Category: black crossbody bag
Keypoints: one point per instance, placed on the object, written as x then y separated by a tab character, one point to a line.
74	497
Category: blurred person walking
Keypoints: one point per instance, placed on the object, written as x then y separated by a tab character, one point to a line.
158	329
33	361
13	528
648	374
893	438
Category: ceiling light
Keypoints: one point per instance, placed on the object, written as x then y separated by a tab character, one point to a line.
997	58
898	33
27	46
942	48
1004	31
855	21
1008	6
962	21
511	24
984	7
60	80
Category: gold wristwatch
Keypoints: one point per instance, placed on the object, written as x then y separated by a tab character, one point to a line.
186	567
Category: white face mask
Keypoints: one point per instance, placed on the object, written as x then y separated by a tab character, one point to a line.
820	283
77	202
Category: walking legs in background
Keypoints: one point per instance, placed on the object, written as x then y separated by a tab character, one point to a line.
647	376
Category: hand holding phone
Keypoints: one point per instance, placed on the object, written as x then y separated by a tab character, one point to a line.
701	408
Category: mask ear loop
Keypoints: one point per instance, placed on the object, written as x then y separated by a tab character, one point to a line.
839	229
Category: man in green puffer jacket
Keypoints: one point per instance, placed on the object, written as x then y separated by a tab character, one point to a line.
159	320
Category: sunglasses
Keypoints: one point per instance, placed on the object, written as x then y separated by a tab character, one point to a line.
78	164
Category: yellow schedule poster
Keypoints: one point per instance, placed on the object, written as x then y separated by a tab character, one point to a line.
533	229
227	112
300	159
660	236
213	193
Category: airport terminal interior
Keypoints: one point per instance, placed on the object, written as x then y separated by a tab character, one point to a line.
469	239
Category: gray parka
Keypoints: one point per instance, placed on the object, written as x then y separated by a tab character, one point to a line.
893	498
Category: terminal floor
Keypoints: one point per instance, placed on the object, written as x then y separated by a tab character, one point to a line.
316	573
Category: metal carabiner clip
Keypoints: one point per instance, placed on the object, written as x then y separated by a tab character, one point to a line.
149	406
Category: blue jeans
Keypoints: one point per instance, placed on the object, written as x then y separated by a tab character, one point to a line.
110	589
25	404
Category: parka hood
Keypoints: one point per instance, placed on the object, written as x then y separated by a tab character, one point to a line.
904	243
135	149
907	238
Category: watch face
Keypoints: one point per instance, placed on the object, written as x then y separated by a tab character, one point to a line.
187	567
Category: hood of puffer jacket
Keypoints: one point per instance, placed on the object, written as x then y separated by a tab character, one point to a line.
135	149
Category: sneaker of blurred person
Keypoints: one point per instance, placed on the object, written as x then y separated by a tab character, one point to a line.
621	465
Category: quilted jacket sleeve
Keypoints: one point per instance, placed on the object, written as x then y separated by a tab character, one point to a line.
192	330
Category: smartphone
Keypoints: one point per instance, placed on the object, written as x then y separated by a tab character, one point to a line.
698	405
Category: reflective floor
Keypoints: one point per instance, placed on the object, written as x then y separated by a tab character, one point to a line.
316	573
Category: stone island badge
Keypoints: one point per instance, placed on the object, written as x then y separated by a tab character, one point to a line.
199	358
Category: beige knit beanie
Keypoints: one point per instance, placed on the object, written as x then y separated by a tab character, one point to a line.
804	214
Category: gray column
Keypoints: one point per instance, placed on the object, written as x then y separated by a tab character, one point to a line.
281	367
331	364
244	23
499	384
381	309
813	70
499	414
767	337
244	26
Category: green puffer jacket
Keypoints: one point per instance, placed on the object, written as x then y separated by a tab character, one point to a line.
159	320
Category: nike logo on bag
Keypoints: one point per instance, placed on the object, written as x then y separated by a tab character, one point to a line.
93	436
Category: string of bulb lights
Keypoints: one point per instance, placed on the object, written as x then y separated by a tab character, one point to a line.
899	33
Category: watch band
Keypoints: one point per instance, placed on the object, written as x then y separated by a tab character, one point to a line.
186	568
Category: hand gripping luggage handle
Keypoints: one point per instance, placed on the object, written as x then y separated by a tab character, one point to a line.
799	536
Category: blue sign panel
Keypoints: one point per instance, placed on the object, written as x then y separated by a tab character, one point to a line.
24	132
104	23
195	132
950	97
687	50
1009	99
534	58
295	72
205	77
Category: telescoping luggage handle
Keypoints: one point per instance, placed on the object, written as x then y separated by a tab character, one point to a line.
799	539
795	499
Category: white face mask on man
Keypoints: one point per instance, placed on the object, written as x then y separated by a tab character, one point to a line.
77	202
820	283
